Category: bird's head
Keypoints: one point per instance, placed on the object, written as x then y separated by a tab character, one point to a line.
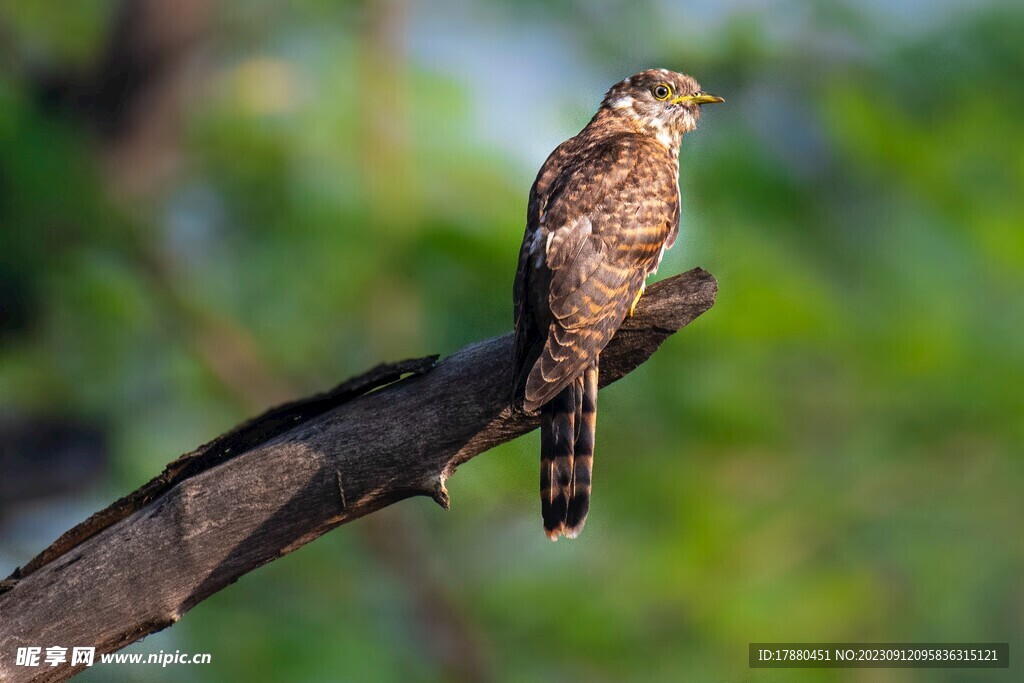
658	102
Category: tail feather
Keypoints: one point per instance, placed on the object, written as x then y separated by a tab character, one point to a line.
583	460
567	453
557	441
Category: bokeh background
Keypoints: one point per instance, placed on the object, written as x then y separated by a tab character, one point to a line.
209	207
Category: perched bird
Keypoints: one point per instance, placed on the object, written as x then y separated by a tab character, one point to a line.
602	212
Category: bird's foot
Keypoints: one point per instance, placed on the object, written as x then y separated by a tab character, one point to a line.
639	294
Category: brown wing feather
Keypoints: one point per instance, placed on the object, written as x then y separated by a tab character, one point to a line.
603	224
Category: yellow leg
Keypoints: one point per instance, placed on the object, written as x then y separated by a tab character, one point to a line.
639	294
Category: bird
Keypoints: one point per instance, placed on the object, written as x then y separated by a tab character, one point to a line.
601	213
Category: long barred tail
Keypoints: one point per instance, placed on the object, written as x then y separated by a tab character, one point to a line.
583	461
567	429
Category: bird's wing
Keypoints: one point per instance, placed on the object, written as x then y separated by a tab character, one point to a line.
602	231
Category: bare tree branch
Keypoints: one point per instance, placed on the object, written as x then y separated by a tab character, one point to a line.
284	479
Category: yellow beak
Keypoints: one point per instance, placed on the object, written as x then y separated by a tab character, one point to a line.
699	98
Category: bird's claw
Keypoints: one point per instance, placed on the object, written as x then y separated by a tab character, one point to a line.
632	307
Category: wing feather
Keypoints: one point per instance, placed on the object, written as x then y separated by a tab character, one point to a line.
601	225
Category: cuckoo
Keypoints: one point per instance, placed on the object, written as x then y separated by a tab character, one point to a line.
602	212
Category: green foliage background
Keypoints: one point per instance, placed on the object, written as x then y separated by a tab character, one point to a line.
832	453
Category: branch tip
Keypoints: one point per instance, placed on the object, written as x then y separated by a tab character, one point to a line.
440	494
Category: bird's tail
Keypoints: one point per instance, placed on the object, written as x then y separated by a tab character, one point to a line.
567	429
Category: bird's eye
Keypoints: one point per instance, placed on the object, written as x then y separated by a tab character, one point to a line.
661	91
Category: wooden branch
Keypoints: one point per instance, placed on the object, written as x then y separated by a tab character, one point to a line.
282	480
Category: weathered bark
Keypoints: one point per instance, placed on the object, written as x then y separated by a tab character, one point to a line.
285	478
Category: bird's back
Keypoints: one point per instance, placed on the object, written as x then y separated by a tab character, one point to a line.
601	209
